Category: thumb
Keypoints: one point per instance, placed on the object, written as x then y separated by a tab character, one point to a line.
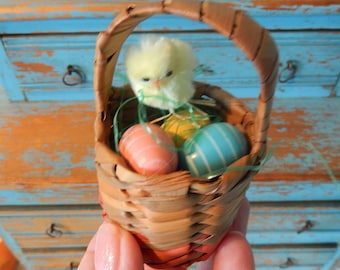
116	249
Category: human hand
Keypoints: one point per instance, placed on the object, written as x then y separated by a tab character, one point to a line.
113	248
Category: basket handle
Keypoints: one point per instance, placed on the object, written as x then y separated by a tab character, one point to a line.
255	42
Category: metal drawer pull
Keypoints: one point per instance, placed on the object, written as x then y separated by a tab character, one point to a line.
288	263
74	265
53	231
308	225
69	79
288	72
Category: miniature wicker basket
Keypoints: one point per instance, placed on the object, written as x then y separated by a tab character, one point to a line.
166	212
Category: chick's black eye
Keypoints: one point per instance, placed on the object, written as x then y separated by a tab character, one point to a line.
169	73
146	79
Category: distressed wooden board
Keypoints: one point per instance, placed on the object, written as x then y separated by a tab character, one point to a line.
266	225
287	237
83	194
292	190
291	267
33	193
8	80
47	142
305	258
84	16
54	259
76	220
40	62
293	217
27	241
44	143
283	216
310	132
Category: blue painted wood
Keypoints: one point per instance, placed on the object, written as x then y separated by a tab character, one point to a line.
284	237
57	194
299	267
64	194
293	217
280	206
303	256
8	81
281	191
95	17
336	88
167	22
62	93
215	50
333	262
44	260
55	260
41	61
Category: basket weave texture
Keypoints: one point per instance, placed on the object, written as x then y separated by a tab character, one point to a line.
173	210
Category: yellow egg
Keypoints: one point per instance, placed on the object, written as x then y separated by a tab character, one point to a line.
183	124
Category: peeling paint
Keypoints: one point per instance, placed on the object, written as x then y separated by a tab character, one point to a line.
66	10
292	5
59	164
49	141
33	67
54	141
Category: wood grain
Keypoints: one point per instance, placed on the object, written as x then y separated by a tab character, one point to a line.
44	143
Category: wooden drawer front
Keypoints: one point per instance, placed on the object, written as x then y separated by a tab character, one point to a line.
40	62
266	258
299	224
52	229
289	217
54	259
90	15
295	258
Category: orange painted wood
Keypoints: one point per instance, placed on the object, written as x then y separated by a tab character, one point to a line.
67	9
52	142
47	143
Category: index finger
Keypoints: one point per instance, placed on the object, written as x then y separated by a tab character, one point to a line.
87	262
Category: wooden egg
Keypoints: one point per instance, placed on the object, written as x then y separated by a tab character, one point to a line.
184	124
210	150
148	150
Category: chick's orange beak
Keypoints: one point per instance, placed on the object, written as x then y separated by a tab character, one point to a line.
157	84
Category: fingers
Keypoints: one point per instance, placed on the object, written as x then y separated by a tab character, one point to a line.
240	223
234	253
112	248
87	262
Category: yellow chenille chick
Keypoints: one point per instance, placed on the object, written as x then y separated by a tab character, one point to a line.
161	71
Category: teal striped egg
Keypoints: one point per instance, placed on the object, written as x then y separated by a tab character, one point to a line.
211	149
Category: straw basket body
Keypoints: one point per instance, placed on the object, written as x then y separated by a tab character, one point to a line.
170	211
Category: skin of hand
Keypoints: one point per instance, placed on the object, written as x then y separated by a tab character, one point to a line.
113	248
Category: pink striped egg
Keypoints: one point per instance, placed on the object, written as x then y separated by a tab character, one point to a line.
148	150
